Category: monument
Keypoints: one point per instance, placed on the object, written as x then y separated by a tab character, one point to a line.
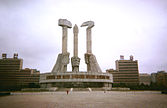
75	60
63	58
60	77
90	59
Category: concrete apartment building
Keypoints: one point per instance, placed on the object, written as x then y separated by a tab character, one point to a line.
159	78
13	77
145	78
126	72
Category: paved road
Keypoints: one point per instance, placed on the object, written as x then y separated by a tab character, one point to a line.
98	99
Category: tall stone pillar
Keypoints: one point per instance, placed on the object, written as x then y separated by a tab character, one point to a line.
90	59
90	24
89	41
75	60
63	58
65	24
75	31
64	39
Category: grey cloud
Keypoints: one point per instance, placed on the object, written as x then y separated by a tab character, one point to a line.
23	29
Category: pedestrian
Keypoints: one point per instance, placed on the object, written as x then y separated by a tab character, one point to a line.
67	92
105	91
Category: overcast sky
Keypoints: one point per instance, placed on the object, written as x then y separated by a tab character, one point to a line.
122	27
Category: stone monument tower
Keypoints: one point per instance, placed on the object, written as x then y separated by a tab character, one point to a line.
63	58
75	60
90	59
60	77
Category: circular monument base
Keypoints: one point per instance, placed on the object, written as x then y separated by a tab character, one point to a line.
72	80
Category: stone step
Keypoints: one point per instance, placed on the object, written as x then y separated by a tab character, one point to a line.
80	89
63	89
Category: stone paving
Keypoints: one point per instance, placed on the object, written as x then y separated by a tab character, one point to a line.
86	99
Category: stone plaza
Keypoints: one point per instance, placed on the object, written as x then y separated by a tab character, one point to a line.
85	99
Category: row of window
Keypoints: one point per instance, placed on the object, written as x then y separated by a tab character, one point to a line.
129	64
124	75
121	70
126	80
9	68
126	72
131	68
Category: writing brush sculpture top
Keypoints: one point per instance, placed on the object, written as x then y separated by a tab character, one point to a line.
75	60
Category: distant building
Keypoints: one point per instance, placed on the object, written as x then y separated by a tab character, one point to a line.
145	78
29	77
13	77
159	78
126	72
114	74
153	77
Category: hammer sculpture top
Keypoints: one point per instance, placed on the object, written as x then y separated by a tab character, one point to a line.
63	58
65	24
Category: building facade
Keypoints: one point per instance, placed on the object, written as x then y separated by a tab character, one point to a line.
126	72
13	77
160	79
145	78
